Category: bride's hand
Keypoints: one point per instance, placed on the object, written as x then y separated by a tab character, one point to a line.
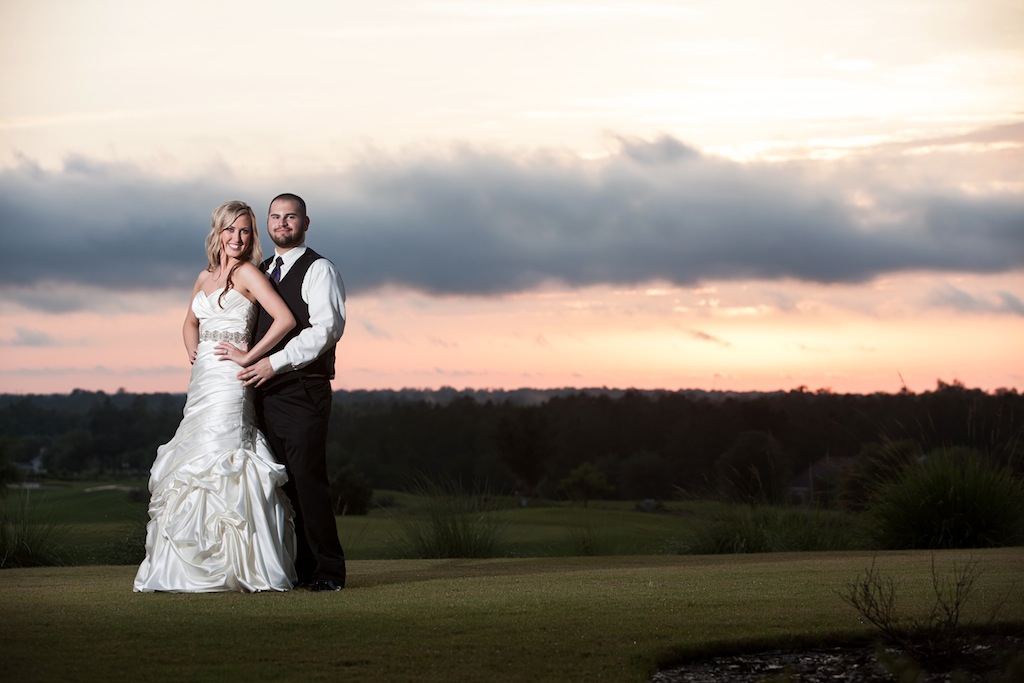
228	351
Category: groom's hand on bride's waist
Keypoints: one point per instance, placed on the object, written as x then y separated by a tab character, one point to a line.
257	373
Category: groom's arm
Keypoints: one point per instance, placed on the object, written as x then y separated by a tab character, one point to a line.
324	292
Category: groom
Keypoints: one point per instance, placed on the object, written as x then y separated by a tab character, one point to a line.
293	382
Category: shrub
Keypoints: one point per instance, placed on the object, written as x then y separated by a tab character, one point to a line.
941	639
351	493
451	523
954	498
645	474
875	464
27	537
769	529
9	474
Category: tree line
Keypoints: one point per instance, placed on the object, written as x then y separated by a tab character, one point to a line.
646	444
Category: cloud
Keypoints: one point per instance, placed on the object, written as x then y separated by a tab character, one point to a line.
950	297
105	225
26	337
612	11
477	223
375	331
704	336
96	370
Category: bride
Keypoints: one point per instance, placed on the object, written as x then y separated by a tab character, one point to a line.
218	520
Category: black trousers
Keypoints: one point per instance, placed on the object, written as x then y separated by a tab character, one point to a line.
293	413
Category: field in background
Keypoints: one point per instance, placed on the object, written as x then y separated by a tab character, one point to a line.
101	523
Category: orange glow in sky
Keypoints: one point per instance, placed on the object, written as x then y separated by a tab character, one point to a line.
721	194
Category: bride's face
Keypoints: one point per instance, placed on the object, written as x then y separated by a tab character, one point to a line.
235	238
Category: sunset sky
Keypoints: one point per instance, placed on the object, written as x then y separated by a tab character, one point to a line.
712	194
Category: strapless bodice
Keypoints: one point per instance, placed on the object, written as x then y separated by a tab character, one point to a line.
228	319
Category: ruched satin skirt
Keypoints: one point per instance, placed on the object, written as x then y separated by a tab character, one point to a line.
218	520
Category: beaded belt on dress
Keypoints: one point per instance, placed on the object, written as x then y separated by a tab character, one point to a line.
223	335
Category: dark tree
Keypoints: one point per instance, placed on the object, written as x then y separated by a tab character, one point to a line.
755	470
524	445
586	483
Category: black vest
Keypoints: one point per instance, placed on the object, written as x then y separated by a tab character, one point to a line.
290	289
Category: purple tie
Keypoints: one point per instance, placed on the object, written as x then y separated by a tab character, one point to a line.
275	274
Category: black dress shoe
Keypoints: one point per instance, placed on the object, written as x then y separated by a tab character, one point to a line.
321	585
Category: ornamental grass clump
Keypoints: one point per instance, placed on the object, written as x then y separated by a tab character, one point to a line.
770	529
952	498
450	522
28	538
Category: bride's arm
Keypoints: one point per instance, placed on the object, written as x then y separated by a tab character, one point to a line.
252	283
190	328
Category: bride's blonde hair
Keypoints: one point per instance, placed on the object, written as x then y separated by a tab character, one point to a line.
223	216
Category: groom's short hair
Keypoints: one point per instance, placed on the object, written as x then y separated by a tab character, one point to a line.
292	198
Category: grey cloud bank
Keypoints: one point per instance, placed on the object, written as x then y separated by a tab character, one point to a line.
474	223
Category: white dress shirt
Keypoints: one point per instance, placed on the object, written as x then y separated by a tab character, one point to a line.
324	293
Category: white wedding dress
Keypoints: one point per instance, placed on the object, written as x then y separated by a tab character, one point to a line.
218	521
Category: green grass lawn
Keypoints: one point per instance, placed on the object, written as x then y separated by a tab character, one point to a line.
537	532
544	612
537	619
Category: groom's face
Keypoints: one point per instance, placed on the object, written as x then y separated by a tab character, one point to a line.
287	227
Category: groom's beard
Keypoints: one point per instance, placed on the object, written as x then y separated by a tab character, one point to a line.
288	241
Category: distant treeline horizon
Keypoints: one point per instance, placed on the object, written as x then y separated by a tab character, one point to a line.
521	395
647	443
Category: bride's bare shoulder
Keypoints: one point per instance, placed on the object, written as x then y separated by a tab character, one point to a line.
249	278
248	270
